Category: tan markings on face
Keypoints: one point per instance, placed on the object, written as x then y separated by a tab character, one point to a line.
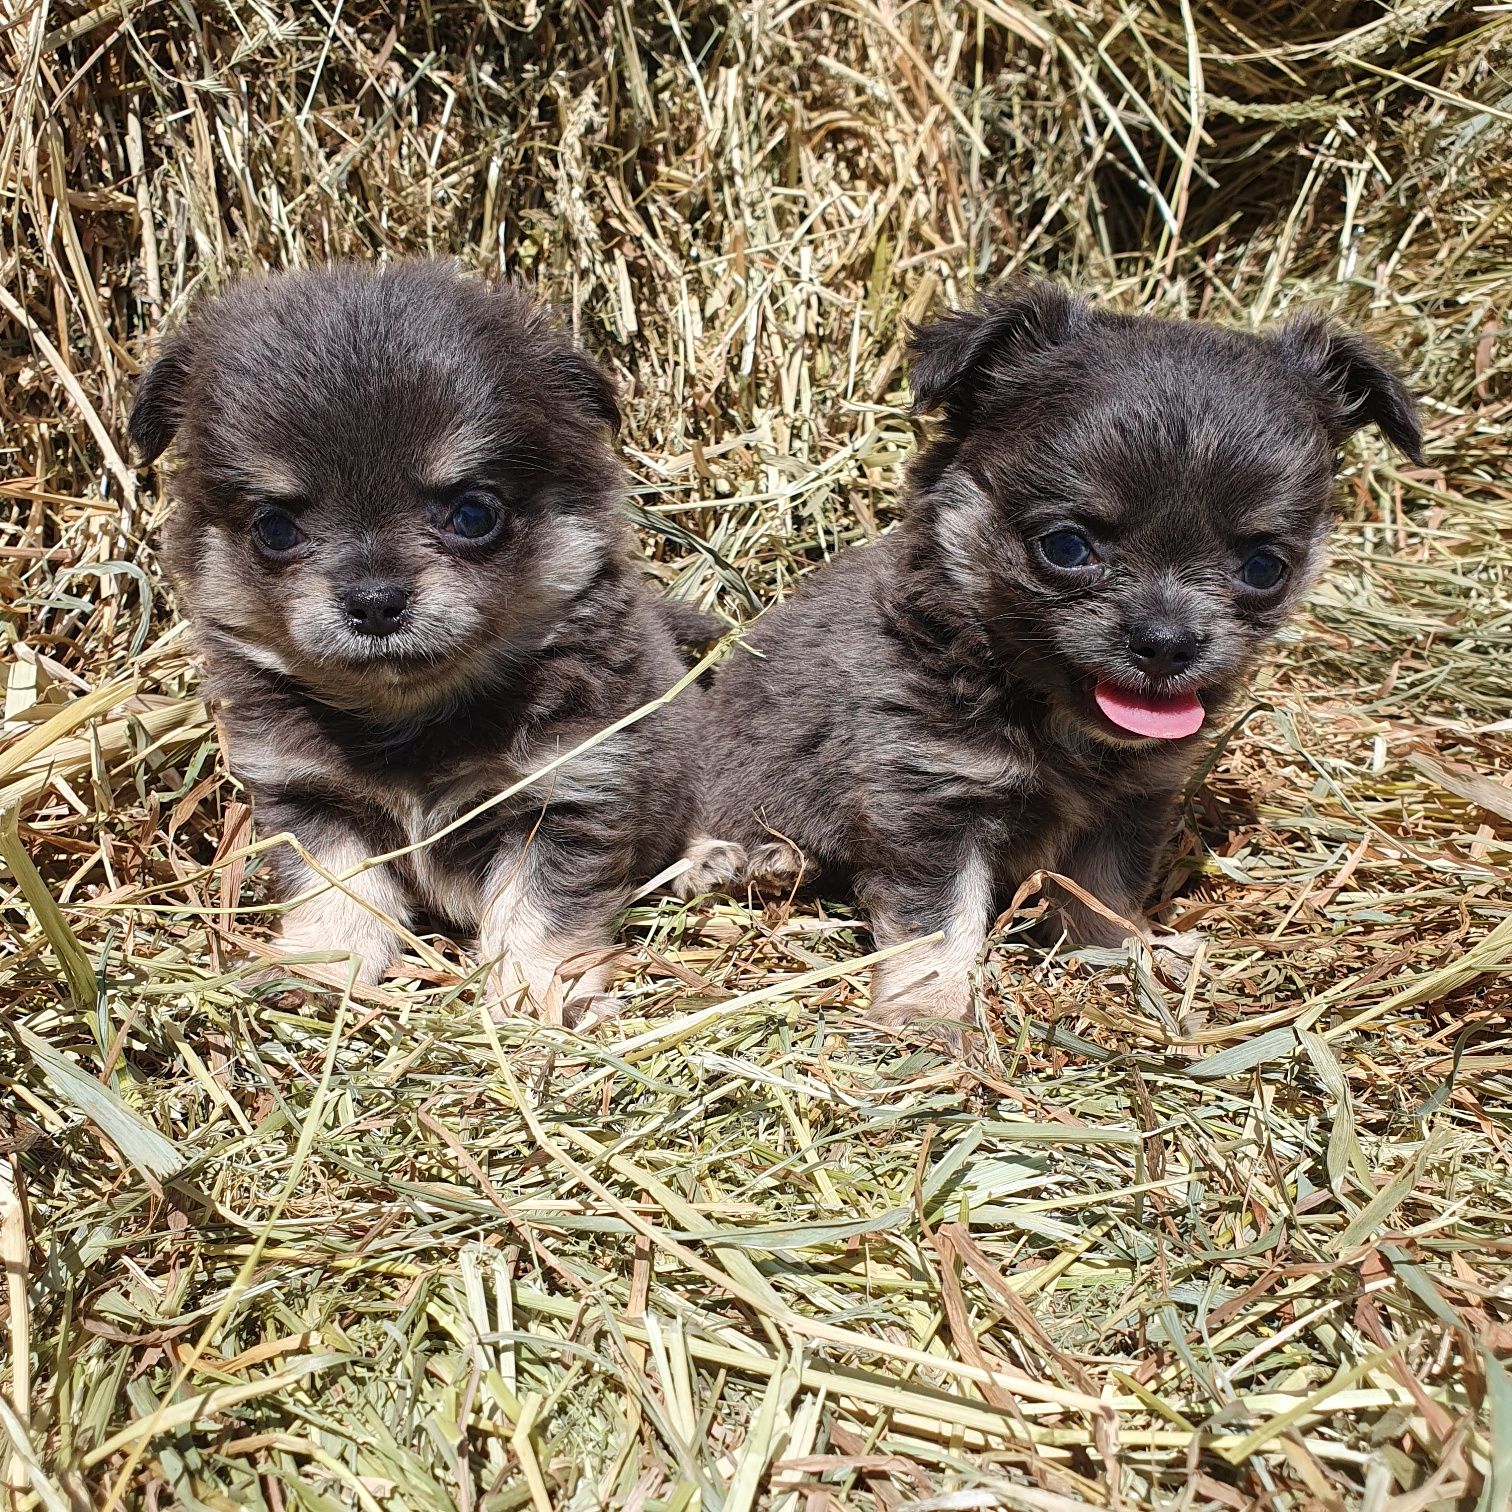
526	950
456	456
260	656
314	614
963	520
223	592
441	608
441	621
570	558
360	916
268	475
934	981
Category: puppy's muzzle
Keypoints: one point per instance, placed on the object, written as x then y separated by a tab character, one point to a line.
375	607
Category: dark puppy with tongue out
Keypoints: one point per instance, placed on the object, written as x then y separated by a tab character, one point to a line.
1113	515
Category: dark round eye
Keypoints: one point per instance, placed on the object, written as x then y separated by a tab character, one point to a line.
474	517
1066	549
276	531
1264	570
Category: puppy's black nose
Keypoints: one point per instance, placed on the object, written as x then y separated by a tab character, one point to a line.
1162	650
375	608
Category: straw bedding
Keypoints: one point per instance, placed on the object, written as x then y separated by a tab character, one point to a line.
1242	1246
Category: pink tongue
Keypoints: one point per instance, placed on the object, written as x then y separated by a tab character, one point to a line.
1144	714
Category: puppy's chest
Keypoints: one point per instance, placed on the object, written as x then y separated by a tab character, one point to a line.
453	832
443	867
1090	793
467	820
1032	798
449	815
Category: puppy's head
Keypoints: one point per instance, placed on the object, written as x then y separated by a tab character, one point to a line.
1129	506
392	481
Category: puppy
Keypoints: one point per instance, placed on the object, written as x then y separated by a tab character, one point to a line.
398	538
1112	517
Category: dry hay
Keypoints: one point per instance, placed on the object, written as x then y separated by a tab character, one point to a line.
1245	1247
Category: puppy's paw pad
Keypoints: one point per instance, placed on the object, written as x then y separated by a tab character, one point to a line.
712	866
371	967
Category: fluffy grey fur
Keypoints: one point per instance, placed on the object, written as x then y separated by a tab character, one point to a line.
397	535
920	721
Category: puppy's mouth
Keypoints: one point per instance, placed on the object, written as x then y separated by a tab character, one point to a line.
383	673
1149	713
393	655
423	643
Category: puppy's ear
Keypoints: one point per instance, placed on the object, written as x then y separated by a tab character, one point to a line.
561	368
157	409
953	357
1356	380
584	385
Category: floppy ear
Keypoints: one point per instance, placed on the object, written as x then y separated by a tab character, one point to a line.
583	384
951	358
1358	383
158	406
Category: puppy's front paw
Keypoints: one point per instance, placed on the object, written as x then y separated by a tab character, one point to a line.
554	991
508	999
1175	955
713	865
592	1009
777	863
947	1026
298	938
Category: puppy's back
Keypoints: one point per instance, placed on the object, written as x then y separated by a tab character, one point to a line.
793	710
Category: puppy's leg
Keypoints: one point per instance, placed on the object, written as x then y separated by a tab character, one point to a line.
357	915
719	865
929	986
538	919
1117	864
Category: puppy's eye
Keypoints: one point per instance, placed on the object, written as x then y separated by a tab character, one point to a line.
1263	571
474	517
1066	549
276	532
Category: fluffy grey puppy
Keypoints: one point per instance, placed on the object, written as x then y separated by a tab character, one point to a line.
1112	517
397	535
